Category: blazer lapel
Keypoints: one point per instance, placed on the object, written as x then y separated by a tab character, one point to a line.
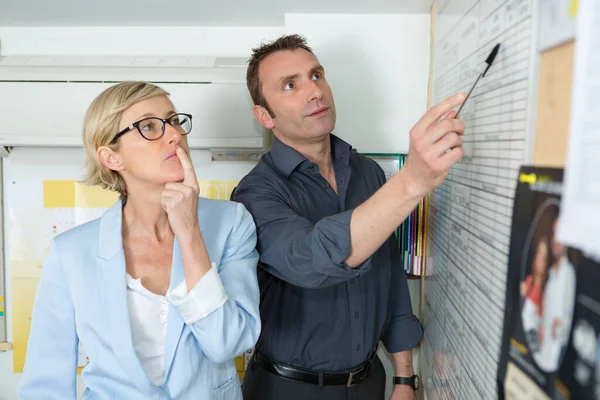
113	293
175	323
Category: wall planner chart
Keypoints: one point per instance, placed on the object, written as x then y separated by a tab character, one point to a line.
470	214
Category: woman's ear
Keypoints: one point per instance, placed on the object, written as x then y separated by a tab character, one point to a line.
109	158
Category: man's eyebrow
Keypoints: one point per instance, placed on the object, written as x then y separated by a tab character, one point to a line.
317	68
287	78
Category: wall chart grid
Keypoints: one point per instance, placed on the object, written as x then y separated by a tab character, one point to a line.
470	214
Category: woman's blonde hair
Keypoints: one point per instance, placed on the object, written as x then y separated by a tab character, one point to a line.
101	124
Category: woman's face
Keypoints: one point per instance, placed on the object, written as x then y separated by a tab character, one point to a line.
150	161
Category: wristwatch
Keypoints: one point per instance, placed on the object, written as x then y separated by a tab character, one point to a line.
412	381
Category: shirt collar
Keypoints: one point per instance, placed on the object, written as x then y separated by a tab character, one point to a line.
286	159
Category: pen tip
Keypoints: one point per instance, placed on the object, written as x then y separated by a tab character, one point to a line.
493	54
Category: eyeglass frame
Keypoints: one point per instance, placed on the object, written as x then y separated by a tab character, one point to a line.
164	121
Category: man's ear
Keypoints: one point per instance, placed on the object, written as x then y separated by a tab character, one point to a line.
262	115
109	158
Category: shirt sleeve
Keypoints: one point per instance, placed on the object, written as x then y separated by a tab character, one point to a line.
291	247
404	329
205	297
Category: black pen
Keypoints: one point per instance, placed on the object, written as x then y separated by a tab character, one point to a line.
489	60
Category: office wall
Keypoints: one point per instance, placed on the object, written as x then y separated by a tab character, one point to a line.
377	66
166	41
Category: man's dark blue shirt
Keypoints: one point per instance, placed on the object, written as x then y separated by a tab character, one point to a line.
317	313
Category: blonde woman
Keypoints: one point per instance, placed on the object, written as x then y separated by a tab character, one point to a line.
161	290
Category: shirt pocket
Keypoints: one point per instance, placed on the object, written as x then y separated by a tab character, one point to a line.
230	390
224	381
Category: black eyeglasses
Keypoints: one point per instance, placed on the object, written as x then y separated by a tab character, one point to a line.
153	128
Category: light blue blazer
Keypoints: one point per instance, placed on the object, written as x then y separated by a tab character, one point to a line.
82	297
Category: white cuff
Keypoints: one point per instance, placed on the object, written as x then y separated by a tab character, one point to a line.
204	298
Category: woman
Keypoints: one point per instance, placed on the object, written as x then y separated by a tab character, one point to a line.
162	289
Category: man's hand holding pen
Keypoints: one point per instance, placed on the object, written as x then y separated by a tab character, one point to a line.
435	146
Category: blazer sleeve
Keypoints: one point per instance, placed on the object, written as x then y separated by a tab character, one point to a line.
51	360
222	309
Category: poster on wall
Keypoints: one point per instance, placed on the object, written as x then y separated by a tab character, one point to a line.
38	209
551	336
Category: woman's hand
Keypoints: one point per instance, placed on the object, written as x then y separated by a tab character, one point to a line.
180	200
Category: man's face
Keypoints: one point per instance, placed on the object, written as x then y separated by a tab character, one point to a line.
294	86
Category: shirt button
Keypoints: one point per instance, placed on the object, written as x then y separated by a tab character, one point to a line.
356	315
162	312
358	347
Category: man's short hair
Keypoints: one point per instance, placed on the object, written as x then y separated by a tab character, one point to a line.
288	42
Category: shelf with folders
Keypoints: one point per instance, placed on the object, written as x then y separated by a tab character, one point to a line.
411	234
412	241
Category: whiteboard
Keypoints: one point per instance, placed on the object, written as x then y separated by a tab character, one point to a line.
470	214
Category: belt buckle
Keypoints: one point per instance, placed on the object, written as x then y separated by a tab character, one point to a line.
351	382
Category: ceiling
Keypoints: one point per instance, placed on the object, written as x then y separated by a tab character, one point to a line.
188	12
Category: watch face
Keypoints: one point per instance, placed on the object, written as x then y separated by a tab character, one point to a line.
417	382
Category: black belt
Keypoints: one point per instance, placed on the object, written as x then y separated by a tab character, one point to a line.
318	378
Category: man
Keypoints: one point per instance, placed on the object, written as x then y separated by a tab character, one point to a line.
332	284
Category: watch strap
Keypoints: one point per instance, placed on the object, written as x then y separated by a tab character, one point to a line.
405	380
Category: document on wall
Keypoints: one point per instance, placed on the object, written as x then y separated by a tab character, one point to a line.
551	335
580	222
469	215
557	22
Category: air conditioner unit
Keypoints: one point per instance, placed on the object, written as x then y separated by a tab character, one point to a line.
43	99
